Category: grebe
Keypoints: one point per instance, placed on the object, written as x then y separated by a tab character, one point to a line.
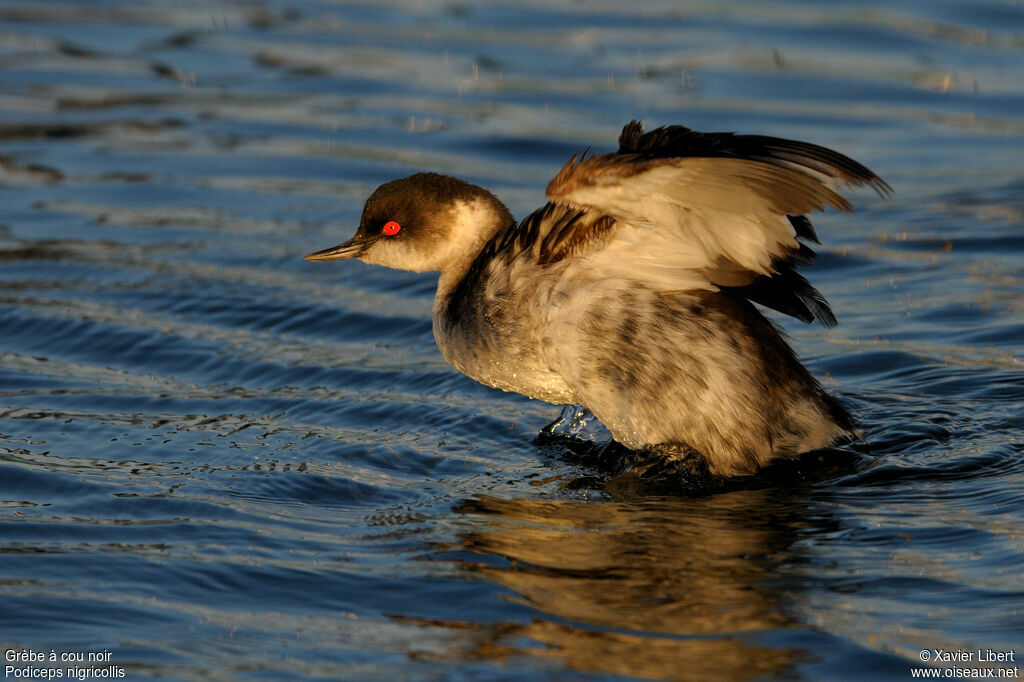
630	292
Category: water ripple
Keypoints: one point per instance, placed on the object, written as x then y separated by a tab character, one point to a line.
217	460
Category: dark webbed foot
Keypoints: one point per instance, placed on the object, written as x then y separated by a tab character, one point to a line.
677	463
671	468
624	474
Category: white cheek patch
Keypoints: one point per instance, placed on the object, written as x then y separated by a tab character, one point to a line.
389	253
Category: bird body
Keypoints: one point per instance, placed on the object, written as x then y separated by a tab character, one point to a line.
630	291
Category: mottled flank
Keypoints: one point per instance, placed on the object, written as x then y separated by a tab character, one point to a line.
630	291
708	366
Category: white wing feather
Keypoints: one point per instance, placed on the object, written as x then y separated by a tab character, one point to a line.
721	219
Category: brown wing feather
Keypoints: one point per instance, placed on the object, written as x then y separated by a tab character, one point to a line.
787	191
739	199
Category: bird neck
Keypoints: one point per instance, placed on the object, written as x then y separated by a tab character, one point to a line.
473	225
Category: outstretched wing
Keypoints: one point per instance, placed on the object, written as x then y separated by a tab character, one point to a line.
709	210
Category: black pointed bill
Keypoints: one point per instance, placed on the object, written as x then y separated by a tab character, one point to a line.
351	249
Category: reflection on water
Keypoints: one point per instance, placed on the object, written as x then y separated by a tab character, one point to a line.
666	589
219	461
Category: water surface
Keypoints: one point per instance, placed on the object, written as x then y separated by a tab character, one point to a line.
218	461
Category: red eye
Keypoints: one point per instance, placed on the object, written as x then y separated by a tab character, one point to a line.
390	228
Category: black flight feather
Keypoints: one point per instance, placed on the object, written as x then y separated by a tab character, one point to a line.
680	141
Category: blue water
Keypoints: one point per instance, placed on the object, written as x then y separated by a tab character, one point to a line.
218	461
